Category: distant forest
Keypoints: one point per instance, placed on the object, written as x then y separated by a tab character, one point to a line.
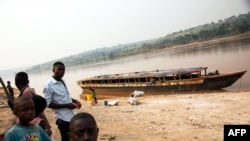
223	28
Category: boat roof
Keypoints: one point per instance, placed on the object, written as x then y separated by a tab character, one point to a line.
155	73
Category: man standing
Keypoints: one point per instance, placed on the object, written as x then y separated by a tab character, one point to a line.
58	98
10	89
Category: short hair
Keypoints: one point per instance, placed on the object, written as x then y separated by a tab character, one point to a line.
21	78
57	63
82	115
20	100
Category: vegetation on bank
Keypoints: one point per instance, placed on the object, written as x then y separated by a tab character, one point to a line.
223	28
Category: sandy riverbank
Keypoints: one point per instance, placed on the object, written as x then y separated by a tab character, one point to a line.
163	117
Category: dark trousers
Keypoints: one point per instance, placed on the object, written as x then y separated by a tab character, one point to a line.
63	126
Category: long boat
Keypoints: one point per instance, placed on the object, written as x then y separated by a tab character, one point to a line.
174	80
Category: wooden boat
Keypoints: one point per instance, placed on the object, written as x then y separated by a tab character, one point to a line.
175	80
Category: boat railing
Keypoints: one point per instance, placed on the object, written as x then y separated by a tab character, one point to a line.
146	77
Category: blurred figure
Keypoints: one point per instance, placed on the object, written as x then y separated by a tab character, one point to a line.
93	93
83	127
10	89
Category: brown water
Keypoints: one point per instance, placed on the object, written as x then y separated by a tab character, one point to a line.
223	56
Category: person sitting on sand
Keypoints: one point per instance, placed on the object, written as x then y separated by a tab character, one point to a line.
83	127
23	129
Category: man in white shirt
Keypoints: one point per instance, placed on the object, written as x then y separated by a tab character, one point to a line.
58	98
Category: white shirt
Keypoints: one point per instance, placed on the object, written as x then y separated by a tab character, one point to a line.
54	91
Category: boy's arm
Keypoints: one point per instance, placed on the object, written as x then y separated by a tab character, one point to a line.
43	124
47	124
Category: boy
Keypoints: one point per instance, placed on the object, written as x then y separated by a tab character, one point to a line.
22	83
23	130
83	127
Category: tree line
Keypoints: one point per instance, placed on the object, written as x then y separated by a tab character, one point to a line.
223	28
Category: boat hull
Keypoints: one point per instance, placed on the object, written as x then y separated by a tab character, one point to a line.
204	83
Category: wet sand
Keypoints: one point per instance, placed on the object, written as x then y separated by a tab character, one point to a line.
174	117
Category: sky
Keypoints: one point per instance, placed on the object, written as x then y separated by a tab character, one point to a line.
37	31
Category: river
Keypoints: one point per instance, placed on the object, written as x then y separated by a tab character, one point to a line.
226	56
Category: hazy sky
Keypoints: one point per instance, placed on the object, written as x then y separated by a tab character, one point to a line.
34	32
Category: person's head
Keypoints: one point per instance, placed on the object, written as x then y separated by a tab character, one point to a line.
8	82
24	109
83	127
91	88
21	80
58	70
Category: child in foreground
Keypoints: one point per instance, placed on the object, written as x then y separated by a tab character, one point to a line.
23	130
83	127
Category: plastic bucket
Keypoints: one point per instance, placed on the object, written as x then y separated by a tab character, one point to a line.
89	97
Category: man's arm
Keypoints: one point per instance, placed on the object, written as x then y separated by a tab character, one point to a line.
58	106
77	103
